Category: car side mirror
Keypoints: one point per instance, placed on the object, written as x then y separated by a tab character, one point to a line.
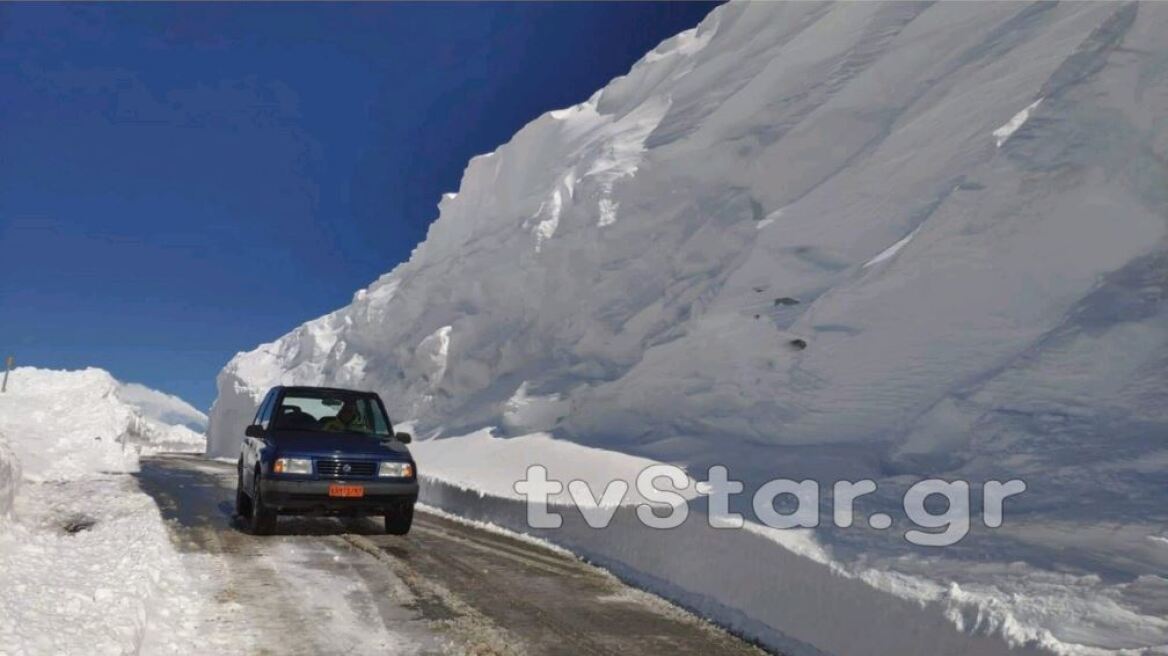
255	430
404	438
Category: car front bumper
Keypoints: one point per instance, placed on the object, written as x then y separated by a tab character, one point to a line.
311	496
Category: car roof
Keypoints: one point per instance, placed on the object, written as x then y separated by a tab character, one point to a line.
295	389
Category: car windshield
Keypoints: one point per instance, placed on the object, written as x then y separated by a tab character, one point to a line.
331	412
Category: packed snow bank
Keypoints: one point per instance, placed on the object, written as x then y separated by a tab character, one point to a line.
602	277
89	569
777	587
786	588
490	465
86	563
63	425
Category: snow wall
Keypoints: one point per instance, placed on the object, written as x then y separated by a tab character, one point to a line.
861	240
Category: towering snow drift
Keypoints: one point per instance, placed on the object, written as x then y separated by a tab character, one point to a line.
710	261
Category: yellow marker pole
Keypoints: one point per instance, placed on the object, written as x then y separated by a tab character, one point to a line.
7	368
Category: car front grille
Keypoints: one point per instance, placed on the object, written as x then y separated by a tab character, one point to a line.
345	468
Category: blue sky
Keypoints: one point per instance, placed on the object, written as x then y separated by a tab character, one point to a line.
182	182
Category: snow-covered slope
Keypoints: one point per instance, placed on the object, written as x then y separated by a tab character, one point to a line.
162	407
862	240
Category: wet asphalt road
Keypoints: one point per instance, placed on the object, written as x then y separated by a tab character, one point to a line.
322	586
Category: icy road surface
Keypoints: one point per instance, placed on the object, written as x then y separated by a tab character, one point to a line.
327	586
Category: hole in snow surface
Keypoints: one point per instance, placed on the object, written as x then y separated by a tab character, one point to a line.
77	524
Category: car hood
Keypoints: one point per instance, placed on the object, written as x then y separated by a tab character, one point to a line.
332	444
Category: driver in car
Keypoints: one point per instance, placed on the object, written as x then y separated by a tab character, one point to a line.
347	419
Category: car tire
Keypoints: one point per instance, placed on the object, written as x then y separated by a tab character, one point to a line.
263	518
242	501
399	520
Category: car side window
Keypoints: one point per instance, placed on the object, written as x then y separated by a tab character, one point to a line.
266	410
380	425
260	410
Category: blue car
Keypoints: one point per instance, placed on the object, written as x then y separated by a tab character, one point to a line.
319	450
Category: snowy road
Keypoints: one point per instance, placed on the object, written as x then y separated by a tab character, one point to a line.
325	586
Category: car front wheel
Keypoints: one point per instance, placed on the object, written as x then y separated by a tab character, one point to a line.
398	520
263	518
242	501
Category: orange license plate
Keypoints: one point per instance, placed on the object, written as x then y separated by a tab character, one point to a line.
346	490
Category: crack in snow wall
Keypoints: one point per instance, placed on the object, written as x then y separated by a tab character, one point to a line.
9	477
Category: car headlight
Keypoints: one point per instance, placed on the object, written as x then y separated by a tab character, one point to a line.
396	470
292	466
